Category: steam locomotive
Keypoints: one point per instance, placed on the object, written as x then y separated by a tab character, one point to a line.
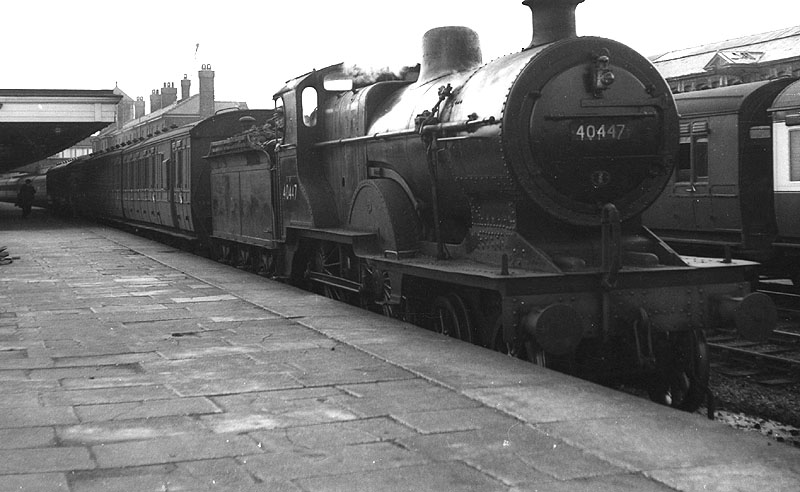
736	188
499	203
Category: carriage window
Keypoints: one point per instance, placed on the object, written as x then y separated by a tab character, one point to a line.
151	172
309	101
186	170
692	159
700	158
164	172
179	170
683	171
794	156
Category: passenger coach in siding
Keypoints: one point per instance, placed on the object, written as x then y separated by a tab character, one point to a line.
736	189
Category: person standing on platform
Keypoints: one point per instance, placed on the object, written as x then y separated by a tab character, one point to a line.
25	197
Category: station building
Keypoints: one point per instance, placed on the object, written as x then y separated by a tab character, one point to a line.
167	111
764	56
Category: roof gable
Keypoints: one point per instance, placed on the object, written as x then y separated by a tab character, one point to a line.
730	58
740	52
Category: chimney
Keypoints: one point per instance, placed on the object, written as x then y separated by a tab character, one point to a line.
155	101
552	20
123	112
206	91
185	84
138	107
447	50
169	94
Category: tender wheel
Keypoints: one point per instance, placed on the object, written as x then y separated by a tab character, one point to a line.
265	264
682	370
451	317
244	258
225	254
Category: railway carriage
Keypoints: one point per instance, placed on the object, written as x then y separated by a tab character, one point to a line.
733	192
786	176
160	184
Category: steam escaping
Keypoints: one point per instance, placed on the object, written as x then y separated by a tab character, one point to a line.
367	76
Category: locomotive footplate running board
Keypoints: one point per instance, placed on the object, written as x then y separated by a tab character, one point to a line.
700	271
343	236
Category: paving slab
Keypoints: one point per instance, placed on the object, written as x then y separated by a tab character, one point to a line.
35	482
172	449
27	437
44	459
219	475
128	365
115	430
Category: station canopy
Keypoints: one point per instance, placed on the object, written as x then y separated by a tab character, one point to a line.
38	123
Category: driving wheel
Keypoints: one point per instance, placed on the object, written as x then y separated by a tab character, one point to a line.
451	317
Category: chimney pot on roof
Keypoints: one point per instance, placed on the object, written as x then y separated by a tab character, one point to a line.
155	101
206	76
138	107
169	94
185	85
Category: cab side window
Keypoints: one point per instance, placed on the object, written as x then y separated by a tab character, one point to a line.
309	102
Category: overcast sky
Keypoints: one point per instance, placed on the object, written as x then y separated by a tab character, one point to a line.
255	46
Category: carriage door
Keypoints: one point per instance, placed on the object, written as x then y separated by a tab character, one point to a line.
755	178
162	192
691	180
174	185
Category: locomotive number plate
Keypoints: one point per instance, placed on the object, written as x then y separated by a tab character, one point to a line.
599	132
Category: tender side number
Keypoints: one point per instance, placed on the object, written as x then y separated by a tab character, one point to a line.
594	133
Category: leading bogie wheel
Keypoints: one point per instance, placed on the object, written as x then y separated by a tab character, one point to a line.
682	370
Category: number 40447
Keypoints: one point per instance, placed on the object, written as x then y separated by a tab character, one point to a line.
591	133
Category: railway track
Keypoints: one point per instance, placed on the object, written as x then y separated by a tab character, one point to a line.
775	361
786	297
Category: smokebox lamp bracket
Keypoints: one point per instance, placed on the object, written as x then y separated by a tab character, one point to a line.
602	76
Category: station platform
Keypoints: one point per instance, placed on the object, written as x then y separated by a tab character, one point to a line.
126	365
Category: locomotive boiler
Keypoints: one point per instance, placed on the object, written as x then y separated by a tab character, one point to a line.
499	203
